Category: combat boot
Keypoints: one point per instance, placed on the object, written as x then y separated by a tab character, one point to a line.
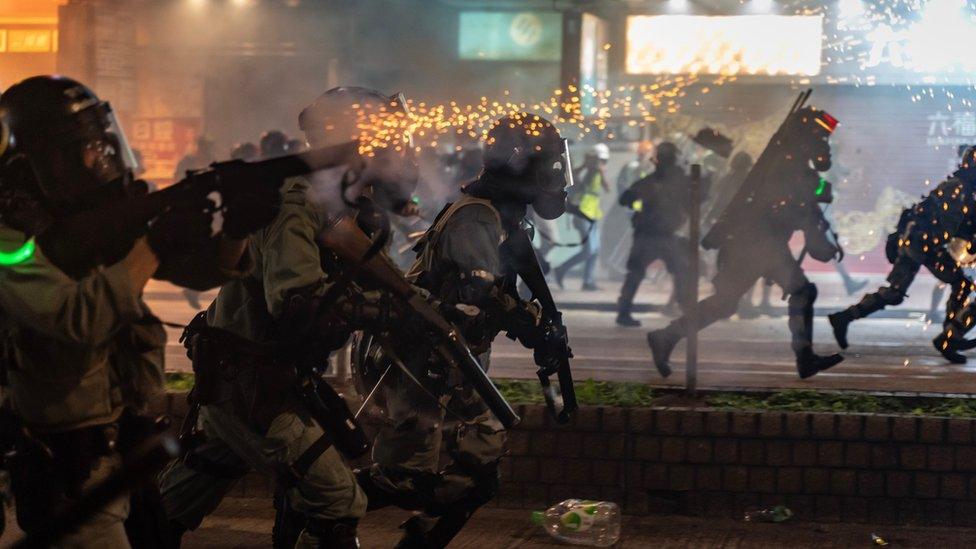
809	363
626	320
662	343
330	534
949	348
840	322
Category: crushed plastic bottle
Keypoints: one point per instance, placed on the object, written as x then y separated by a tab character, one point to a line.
780	513
582	522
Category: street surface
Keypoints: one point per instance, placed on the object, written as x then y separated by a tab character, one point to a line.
242	523
889	352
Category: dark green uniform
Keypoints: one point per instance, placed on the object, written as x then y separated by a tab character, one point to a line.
258	420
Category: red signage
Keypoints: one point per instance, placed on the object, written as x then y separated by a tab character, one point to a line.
163	142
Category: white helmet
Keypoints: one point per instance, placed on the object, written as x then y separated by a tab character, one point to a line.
601	151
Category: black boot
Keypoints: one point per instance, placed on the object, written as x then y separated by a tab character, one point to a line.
662	343
625	303
334	534
840	322
626	320
809	363
421	532
949	347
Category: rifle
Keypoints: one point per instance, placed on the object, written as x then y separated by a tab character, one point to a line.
527	262
352	246
102	235
745	199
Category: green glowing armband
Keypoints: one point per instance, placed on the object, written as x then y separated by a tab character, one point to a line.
821	187
19	255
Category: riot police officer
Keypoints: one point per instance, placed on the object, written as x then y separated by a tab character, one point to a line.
82	351
254	418
781	196
923	238
660	203
464	261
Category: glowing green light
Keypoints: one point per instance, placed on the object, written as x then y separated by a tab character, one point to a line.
19	255
822	187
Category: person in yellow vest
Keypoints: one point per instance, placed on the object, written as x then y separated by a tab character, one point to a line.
585	205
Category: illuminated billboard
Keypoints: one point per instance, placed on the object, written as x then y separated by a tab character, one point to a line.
724	45
510	36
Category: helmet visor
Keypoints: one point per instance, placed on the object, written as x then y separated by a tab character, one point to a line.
561	177
85	159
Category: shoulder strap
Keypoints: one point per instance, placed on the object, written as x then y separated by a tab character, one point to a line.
428	242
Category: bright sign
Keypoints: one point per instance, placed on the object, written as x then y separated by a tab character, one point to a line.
725	45
510	36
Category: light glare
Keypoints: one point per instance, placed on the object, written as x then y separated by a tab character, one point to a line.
724	45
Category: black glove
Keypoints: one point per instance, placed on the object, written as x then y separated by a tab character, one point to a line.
175	230
552	348
252	206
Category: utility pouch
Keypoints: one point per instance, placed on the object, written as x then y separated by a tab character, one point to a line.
330	411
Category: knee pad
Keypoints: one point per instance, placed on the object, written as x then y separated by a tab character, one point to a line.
891	296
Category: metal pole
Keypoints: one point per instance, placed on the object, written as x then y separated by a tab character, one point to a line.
691	314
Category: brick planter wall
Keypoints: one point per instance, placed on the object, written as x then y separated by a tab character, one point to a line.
824	466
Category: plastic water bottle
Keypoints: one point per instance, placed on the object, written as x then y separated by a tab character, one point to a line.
582	522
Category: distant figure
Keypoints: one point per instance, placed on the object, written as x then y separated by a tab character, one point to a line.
296	146
752	238
247	152
274	143
202	156
925	235
584	203
660	203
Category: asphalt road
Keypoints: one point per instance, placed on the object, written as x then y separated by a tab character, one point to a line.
890	353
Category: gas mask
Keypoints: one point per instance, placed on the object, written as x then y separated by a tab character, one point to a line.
553	184
390	172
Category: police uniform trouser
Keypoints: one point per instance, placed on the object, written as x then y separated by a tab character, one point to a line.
407	449
105	529
903	271
327	491
647	249
739	267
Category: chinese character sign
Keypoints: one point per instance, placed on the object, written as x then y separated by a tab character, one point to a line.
951	129
163	142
